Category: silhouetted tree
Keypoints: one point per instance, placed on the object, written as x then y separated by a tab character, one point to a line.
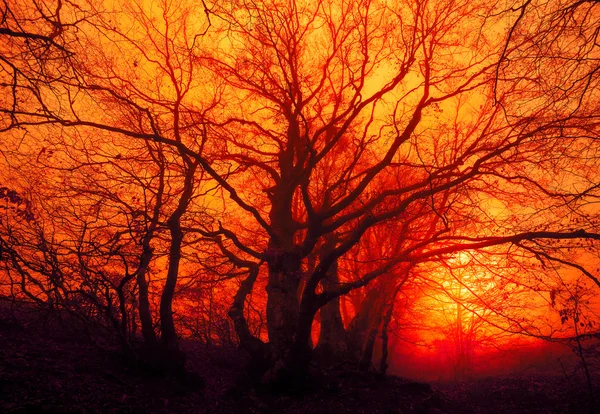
319	121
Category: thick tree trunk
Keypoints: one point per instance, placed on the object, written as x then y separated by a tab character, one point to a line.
285	270
367	355
260	354
297	360
332	346
359	327
362	331
282	305
373	325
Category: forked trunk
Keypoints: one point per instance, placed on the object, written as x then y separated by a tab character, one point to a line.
367	354
282	305
260	353
360	326
297	360
331	347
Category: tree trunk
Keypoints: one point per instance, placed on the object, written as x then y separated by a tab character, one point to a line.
332	347
359	327
124	328
282	303
174	359
297	361
144	310
285	271
383	365
367	355
144	302
260	355
363	329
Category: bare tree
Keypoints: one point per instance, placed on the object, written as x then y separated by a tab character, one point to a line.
320	121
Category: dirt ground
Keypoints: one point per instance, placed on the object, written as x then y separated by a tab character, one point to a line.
53	372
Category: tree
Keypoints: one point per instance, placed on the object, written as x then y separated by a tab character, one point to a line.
112	99
305	102
323	120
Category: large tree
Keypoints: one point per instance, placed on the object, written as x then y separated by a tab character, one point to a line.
320	120
366	90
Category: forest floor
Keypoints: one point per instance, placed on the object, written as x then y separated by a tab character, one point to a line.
53	372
